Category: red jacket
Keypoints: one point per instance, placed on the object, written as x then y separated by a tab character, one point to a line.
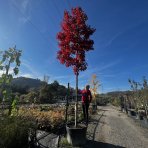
86	96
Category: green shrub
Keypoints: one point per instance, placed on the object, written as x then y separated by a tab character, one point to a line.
116	102
14	132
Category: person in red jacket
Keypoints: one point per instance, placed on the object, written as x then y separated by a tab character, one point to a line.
86	99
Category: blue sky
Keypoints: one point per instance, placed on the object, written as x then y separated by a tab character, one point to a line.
120	41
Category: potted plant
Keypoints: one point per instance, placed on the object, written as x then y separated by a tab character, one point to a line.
74	42
145	99
136	97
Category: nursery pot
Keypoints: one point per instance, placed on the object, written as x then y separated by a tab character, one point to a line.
145	120
94	108
139	116
131	112
76	136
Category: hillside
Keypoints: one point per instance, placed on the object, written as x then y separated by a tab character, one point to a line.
24	82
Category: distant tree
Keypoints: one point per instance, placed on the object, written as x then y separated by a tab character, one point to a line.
20	89
94	84
74	42
32	97
57	90
62	90
45	80
45	95
55	85
136	93
53	88
9	64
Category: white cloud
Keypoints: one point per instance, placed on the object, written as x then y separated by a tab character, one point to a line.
1	72
31	70
24	4
99	70
109	75
112	39
25	12
24	9
29	67
24	20
62	77
20	74
4	37
28	75
108	65
4	71
120	33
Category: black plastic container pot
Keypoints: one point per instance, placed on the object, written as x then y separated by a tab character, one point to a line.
139	116
76	136
145	120
131	112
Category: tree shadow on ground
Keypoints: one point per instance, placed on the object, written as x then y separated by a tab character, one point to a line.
103	110
91	136
95	144
102	115
96	122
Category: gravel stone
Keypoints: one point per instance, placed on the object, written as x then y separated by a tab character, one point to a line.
112	128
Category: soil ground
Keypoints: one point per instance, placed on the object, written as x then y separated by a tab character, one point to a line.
111	128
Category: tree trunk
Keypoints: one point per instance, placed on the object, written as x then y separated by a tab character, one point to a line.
76	103
67	104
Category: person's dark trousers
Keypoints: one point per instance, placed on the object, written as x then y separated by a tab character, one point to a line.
85	107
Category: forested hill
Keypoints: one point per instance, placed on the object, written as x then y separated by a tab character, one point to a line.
24	82
31	88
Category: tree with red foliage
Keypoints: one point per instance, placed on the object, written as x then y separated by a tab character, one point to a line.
74	41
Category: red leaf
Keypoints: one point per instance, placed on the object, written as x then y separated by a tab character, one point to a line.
73	40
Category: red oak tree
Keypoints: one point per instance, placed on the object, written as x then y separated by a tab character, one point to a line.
74	41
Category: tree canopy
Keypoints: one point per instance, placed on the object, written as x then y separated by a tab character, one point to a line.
74	40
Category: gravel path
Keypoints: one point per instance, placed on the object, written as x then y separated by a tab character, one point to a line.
112	128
